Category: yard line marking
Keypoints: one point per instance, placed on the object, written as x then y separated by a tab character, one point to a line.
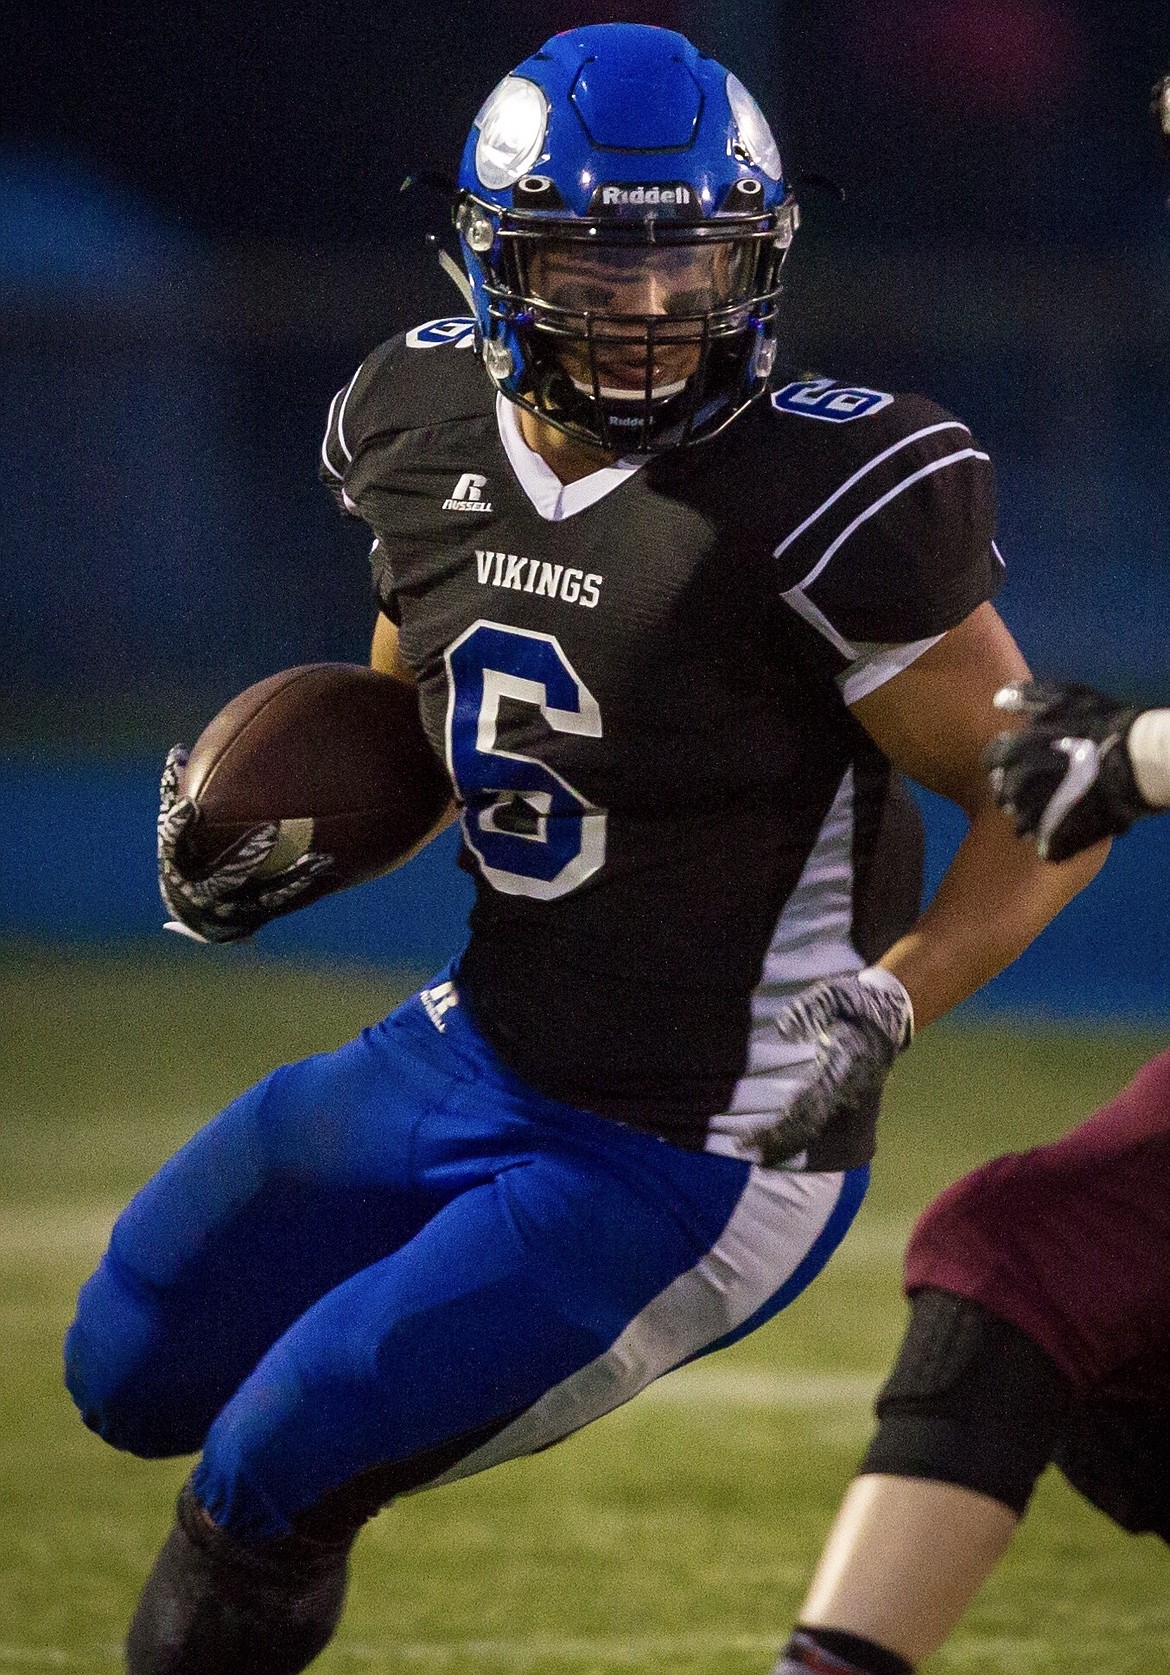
1013	1654
876	1243
793	1391
35	1234
53	1657
1021	1654
511	1653
1030	1655
41	1233
520	1653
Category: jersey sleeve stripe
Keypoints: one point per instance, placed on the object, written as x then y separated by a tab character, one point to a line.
884	500
325	460
804	607
341	415
867	673
870	465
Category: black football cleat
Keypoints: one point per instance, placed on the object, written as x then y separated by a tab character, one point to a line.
213	1607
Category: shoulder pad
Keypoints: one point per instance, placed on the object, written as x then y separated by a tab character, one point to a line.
398	389
889	515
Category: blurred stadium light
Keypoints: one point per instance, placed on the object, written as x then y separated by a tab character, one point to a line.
1005	56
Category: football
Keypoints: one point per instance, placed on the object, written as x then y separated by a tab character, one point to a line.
335	755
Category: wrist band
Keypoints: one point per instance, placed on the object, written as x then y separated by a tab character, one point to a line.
877	977
1148	743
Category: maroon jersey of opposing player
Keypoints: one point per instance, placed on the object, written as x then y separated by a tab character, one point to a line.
640	683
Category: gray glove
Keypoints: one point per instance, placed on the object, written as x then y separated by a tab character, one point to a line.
231	902
1065	778
856	1026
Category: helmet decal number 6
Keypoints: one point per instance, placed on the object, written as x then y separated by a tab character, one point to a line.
531	831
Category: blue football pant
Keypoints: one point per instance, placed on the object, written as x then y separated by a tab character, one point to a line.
396	1264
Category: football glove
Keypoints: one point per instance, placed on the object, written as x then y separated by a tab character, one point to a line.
231	902
854	1026
1066	778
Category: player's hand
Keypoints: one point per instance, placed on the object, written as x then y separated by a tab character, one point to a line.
855	1026
232	902
1065	778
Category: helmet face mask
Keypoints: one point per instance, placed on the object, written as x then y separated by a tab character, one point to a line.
635	316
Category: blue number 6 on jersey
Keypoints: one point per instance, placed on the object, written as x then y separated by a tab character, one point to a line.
533	834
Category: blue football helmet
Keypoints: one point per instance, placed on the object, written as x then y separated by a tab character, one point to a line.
624	216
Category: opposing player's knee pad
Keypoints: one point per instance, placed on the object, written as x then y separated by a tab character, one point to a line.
211	1606
972	1401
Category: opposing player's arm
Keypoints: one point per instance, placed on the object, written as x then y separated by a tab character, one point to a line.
934	720
386	656
1084	766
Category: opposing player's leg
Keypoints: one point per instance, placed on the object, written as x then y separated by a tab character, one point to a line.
1004	1368
572	1262
1009	1235
897	1540
967	1421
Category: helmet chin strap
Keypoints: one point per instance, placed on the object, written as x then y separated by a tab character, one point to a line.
457	277
658	392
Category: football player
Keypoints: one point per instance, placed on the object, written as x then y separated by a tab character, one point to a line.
676	620
1005	1366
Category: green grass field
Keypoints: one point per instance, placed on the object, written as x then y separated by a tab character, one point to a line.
676	1535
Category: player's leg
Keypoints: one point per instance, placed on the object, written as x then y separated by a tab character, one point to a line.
380	1386
897	1540
526	1308
967	1421
592	1261
1009	1235
992	1378
1115	1450
213	1606
300	1182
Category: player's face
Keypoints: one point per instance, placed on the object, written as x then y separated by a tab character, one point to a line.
619	288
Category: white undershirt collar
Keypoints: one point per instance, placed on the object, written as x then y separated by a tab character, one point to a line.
553	499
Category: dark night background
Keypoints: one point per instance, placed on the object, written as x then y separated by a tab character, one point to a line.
201	234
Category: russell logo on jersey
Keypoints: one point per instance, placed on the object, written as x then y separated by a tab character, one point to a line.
467	495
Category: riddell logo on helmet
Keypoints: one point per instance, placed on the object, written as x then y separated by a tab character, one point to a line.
672	197
645	195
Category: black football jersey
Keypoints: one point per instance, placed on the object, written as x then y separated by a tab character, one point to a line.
640	685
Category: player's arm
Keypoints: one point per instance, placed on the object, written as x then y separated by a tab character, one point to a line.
386	653
934	720
386	656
